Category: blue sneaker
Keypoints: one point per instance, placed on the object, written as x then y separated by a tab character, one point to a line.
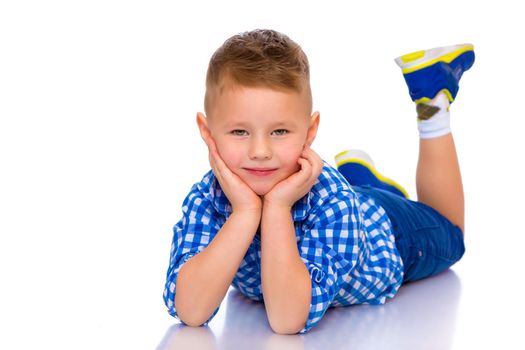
358	169
428	72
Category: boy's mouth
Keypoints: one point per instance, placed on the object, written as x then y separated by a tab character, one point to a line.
260	171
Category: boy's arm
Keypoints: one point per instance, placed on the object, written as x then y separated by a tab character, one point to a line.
285	279
205	278
286	284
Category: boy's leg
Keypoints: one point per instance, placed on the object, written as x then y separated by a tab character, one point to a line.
433	78
438	178
428	233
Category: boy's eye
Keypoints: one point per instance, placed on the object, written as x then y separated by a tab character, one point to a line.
239	132
280	132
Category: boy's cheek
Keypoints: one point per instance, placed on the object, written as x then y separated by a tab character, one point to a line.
221	149
229	158
296	154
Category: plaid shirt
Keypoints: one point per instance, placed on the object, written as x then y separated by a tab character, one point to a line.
344	239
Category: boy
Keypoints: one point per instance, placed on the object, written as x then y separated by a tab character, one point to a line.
284	227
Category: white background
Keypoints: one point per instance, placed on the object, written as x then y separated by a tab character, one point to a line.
99	146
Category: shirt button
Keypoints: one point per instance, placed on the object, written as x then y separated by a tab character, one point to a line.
420	253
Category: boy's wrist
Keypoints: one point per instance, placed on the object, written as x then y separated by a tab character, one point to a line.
273	206
272	211
251	208
249	215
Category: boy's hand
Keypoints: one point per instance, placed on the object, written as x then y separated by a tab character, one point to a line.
240	195
291	189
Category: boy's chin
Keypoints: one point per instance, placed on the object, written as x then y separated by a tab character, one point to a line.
261	190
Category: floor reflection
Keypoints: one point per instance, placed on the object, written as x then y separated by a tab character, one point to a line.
422	315
180	336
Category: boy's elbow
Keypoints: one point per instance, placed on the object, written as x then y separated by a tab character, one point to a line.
192	322
190	316
191	319
286	327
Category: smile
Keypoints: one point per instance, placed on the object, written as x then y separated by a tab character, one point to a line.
260	172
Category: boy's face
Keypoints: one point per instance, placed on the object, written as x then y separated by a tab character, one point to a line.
260	133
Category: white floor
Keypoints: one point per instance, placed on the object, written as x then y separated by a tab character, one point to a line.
477	303
422	316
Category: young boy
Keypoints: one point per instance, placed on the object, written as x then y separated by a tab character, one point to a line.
281	225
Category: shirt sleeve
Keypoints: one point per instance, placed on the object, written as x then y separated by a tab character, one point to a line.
191	235
329	251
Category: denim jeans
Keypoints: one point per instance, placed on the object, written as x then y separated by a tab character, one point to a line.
427	241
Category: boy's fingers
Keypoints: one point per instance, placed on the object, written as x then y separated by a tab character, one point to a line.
212	148
221	171
319	165
210	143
216	163
304	163
306	169
213	165
308	155
208	140
315	162
213	145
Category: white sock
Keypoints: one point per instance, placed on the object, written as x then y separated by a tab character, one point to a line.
439	123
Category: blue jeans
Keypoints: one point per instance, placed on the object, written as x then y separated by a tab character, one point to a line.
427	241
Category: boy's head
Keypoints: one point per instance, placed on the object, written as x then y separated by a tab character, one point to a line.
259	58
258	104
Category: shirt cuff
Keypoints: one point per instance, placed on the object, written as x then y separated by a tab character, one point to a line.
323	288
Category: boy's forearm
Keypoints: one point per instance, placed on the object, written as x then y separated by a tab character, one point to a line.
285	279
204	279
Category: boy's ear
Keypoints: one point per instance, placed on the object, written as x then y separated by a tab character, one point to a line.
312	129
204	129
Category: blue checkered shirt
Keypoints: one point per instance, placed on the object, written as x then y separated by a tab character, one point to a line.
344	239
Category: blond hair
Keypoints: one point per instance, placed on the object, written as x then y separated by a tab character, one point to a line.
258	58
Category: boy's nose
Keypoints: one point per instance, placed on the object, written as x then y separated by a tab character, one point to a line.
260	149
